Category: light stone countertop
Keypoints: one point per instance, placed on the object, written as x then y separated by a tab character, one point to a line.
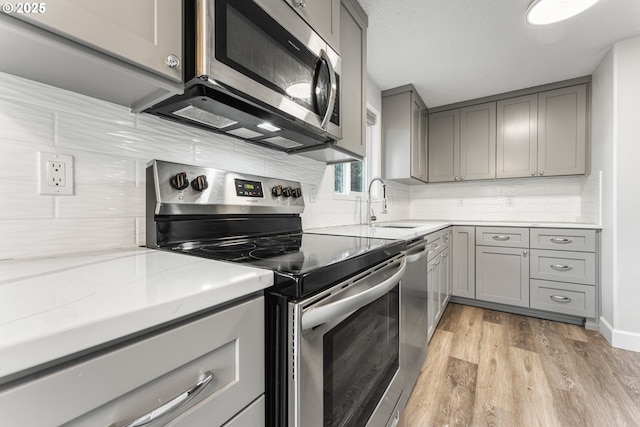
52	308
412	228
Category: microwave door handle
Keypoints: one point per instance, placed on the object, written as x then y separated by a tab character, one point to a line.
327	313
332	92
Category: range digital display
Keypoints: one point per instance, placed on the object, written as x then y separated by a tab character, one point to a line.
246	188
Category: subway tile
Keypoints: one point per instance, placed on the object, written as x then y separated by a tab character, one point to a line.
102	201
25	123
21	200
50	237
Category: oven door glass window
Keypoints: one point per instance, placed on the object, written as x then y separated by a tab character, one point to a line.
360	361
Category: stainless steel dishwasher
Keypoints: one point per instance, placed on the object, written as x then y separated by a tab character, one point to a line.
413	332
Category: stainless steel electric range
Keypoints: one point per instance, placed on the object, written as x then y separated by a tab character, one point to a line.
333	314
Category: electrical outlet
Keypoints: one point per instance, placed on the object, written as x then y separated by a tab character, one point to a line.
55	174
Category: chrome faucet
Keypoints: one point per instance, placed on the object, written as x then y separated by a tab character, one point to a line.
370	216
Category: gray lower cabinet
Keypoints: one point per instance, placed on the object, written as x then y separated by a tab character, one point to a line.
502	275
221	354
353	41
463	272
438	277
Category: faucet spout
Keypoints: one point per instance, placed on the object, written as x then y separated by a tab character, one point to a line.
370	216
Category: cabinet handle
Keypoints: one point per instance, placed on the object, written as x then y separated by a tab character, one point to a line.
501	238
172	405
541	173
560	299
560	267
524	253
438	262
560	240
300	4
455	178
462	178
533	173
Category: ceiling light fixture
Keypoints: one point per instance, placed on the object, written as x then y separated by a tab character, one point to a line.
543	12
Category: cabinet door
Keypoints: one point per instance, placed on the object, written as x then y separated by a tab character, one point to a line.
444	146
353	32
142	32
517	137
502	275
562	131
418	142
478	142
323	16
445	281
464	262
433	288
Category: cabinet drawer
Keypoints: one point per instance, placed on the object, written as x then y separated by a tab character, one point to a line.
567	298
120	385
510	237
563	239
434	243
564	266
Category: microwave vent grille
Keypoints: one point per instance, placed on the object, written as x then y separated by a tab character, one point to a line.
205	117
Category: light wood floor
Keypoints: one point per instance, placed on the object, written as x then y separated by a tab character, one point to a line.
488	368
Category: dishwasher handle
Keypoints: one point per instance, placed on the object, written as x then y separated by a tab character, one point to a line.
327	313
415	256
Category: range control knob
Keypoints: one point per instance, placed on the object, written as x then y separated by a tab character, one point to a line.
287	191
180	181
296	192
200	183
277	191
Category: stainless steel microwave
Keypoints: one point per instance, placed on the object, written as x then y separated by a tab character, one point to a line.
255	70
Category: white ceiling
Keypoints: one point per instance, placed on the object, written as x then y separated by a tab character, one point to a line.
455	50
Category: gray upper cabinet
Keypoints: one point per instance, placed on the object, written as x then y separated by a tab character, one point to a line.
562	131
444	145
478	142
323	16
543	134
145	33
517	137
353	35
404	135
462	144
128	53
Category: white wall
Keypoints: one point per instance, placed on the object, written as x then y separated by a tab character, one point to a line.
111	147
617	95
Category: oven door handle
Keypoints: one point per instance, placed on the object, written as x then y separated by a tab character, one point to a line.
329	312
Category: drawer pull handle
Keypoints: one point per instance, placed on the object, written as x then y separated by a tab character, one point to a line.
172	405
559	267
501	238
560	299
560	240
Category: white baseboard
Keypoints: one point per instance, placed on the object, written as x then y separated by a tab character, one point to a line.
618	338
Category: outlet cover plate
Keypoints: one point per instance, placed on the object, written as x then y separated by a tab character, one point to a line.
55	174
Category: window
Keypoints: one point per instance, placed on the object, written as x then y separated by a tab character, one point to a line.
352	177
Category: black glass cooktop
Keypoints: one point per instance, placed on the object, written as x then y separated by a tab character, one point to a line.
305	258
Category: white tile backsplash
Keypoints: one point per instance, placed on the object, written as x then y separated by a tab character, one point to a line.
112	146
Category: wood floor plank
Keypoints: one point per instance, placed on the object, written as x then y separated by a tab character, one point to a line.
572	332
520	332
494	317
533	396
422	406
549	344
451	317
466	345
494	390
460	385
